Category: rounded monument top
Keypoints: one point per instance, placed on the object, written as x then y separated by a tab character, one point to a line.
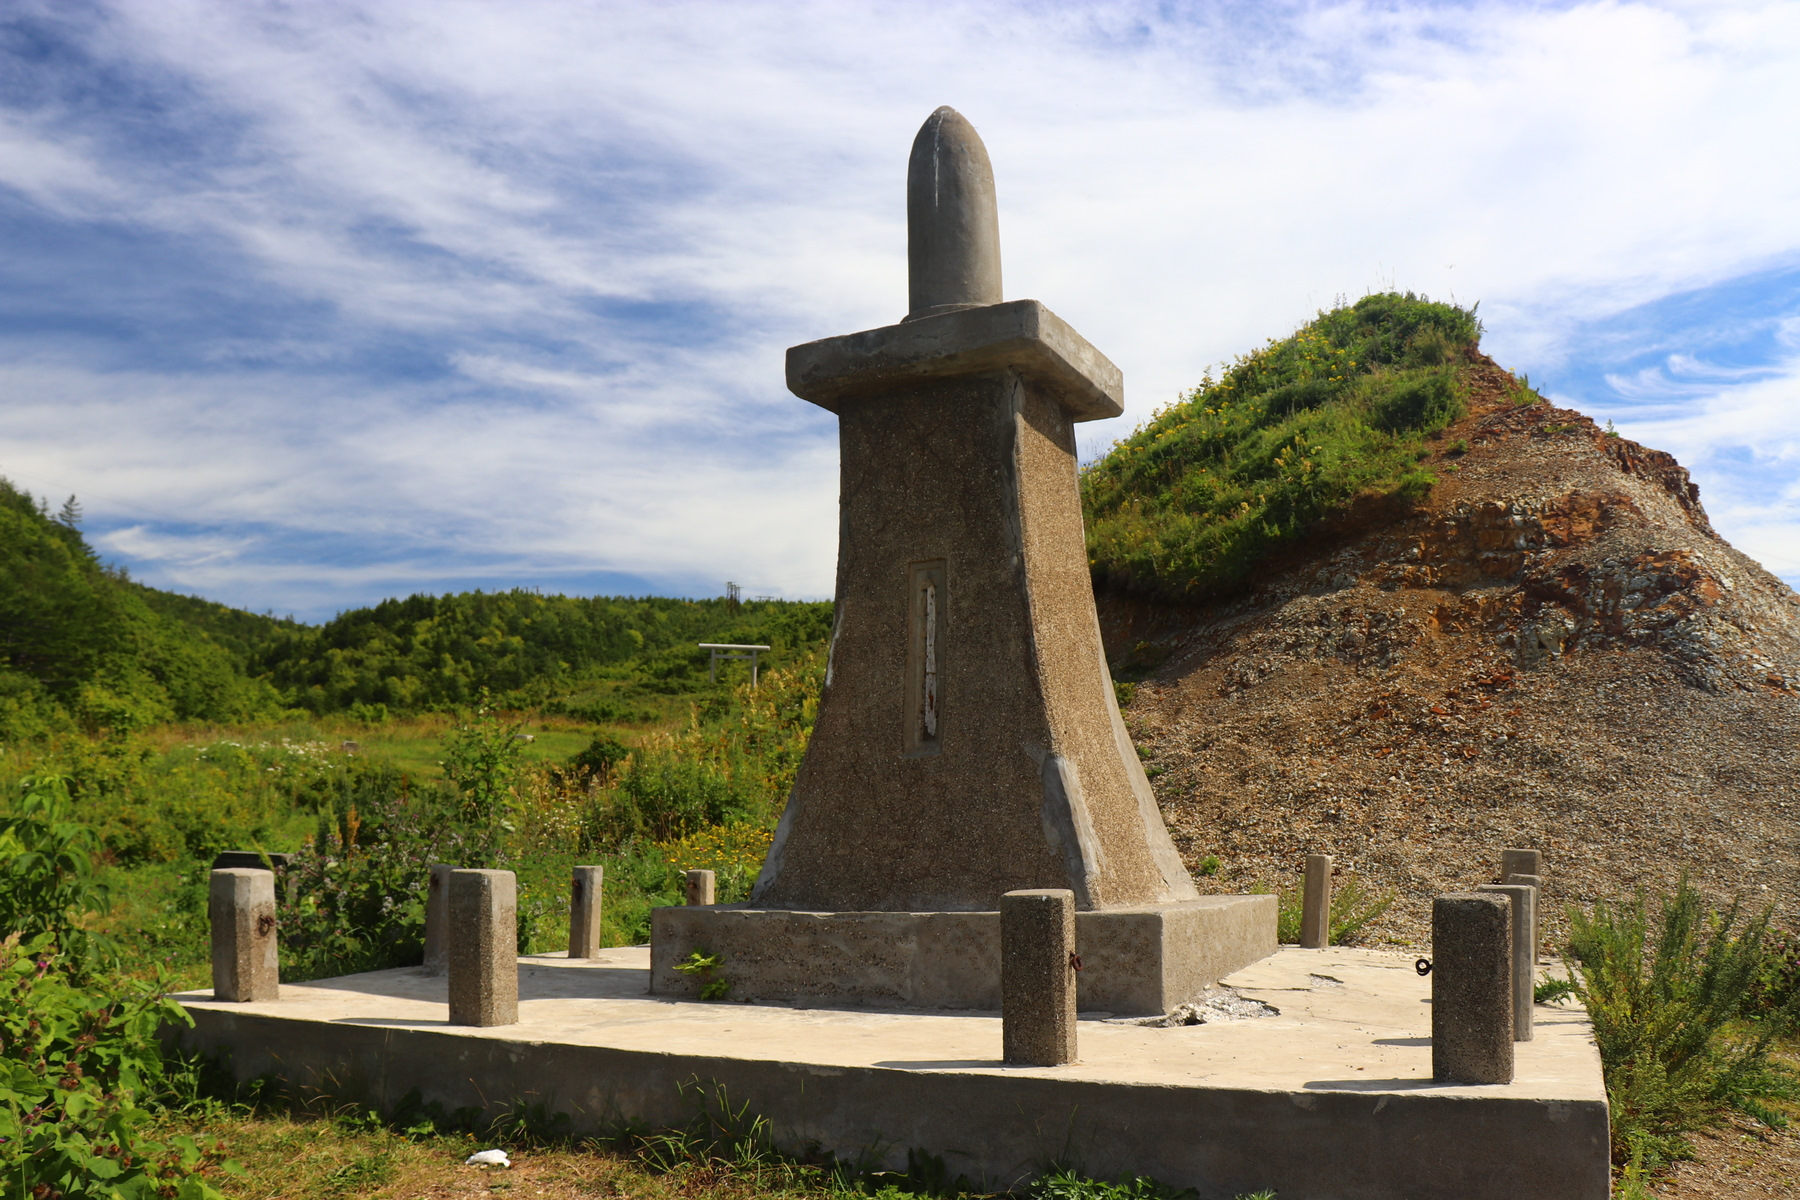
952	218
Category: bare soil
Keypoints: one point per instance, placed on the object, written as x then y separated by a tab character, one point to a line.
1555	650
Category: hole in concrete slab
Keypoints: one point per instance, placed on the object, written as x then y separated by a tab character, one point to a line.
1325	981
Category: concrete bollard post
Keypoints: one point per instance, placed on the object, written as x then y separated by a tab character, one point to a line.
240	903
699	887
1471	988
584	911
484	947
1536	884
437	918
1523	899
1315	907
1037	977
1515	861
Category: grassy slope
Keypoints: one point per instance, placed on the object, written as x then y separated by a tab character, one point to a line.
1294	433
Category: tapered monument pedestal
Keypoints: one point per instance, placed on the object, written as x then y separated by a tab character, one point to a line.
968	741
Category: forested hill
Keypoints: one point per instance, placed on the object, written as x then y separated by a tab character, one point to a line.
83	645
80	642
529	650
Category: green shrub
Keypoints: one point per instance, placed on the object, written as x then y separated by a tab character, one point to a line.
1777	983
482	760
1353	906
47	882
353	898
80	1075
662	797
1293	433
80	1065
597	762
1669	999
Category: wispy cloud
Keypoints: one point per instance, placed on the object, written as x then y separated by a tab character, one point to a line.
401	296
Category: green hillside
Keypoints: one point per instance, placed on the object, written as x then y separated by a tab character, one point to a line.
82	644
556	653
1186	506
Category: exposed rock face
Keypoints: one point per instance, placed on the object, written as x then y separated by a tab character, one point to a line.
1556	650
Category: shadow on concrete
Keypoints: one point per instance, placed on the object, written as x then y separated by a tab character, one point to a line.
815	1004
1371	1085
537	981
945	1064
1414	1041
398	1022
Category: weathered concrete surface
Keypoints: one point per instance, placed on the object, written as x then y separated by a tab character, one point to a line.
1536	884
1038	967
1516	860
437	918
1315	903
698	886
1136	961
952	218
586	887
484	942
1523	898
1471	988
240	905
960	503
1021	336
1330	1100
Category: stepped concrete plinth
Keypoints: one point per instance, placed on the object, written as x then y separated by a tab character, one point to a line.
1136	961
1329	1099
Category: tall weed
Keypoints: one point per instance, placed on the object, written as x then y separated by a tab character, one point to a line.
1353	907
1669	995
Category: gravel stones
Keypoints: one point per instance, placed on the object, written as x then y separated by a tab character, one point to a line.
1370	699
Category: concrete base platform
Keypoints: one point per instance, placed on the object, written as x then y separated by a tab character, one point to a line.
1331	1099
1134	960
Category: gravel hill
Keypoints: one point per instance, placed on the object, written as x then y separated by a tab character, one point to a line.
1554	650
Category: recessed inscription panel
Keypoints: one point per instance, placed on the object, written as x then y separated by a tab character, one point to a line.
924	657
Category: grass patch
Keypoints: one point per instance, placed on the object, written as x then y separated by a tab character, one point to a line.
1353	907
1293	433
288	1147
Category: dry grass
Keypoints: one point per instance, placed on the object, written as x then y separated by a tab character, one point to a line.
291	1156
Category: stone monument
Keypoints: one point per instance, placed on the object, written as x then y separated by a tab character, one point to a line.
968	742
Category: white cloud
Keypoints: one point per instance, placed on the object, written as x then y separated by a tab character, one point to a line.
600	225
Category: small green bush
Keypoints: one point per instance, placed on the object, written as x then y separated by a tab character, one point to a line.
81	1075
483	759
1670	998
47	883
1353	907
81	1069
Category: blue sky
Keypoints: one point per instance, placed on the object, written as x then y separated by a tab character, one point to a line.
316	304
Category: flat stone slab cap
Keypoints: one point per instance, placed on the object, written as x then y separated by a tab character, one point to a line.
1020	335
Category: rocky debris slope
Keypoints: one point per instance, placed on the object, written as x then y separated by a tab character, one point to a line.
1556	650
